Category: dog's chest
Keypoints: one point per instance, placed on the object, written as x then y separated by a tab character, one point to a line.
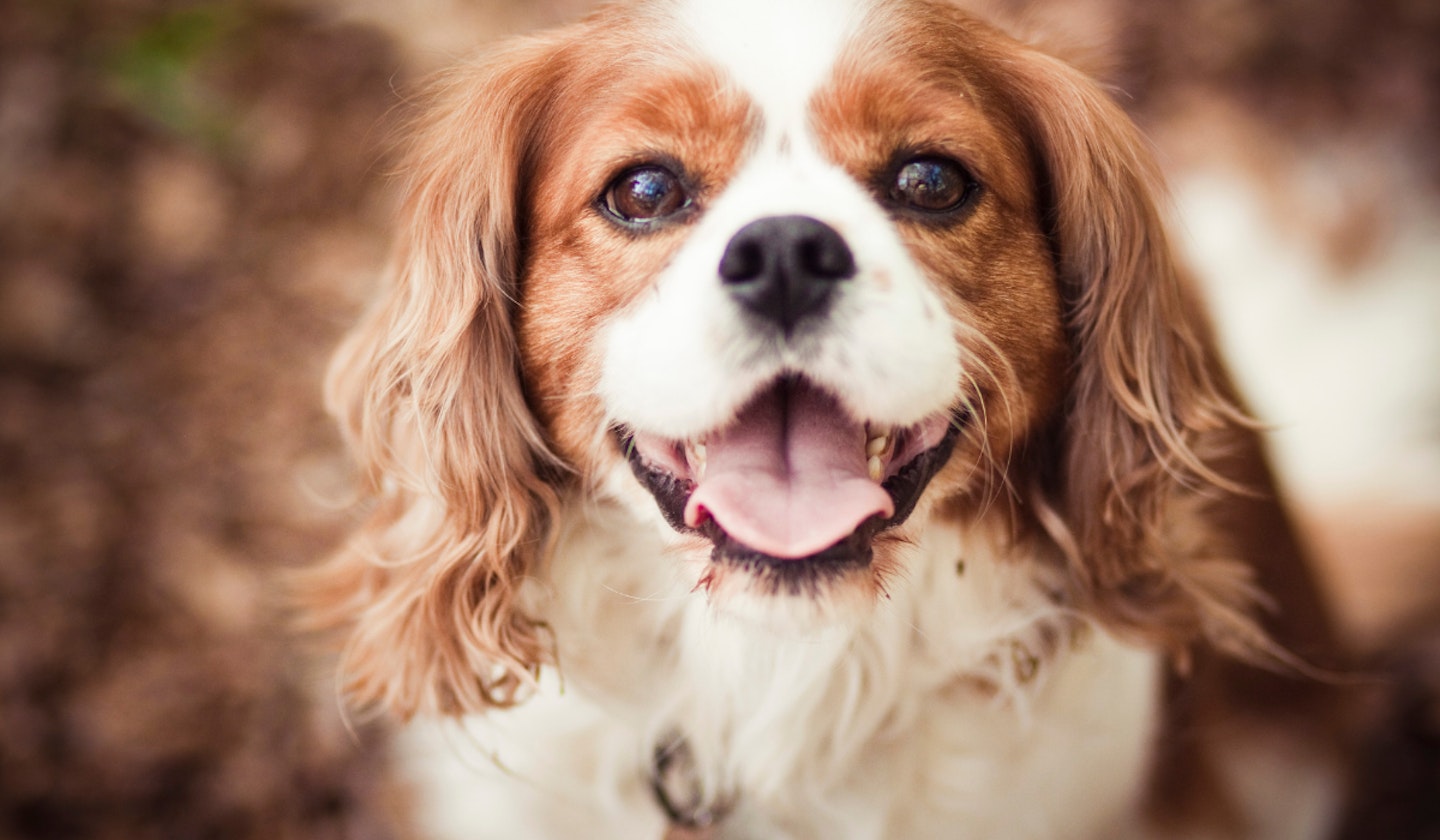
968	702
967	697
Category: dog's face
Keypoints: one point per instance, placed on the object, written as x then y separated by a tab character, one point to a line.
798	310
789	280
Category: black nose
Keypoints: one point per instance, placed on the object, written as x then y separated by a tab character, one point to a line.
785	268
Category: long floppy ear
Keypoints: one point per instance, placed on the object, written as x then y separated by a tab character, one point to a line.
1151	421
428	395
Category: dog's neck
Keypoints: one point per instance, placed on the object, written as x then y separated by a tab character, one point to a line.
967	642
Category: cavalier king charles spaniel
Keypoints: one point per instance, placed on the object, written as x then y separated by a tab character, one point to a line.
787	419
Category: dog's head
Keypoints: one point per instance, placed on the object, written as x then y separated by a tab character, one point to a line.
796	282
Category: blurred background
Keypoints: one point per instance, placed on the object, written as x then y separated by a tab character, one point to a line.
194	206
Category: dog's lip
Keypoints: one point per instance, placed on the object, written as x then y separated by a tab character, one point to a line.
667	469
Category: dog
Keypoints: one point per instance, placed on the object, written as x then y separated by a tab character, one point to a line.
790	420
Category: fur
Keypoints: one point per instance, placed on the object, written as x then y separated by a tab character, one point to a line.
1097	548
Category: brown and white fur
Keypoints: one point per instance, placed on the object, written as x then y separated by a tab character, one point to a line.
1095	621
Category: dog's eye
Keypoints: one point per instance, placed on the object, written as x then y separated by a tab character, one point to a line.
645	194
932	185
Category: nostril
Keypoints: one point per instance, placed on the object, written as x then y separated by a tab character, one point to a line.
825	255
743	260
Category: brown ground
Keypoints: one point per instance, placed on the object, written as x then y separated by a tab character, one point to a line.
188	217
192	209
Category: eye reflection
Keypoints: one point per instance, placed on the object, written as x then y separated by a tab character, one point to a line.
932	184
645	194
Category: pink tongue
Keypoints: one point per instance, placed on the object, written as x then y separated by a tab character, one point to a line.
788	477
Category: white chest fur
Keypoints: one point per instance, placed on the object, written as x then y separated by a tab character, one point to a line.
941	713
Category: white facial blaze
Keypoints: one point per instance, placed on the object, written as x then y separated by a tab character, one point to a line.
777	51
684	359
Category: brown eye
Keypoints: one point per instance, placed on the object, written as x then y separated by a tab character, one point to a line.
932	185
645	194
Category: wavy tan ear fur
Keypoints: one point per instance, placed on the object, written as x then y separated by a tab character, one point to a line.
1150	414
428	395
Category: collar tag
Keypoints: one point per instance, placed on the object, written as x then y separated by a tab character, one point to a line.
678	790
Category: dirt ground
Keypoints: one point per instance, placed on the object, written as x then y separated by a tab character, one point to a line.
193	207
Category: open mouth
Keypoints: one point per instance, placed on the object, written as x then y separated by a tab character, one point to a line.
793	486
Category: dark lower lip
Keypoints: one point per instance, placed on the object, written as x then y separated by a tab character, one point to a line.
792	575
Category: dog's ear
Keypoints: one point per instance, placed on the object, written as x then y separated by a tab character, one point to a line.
1150	415
428	395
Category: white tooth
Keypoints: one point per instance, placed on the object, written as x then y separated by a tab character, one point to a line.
877	469
875	445
695	453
